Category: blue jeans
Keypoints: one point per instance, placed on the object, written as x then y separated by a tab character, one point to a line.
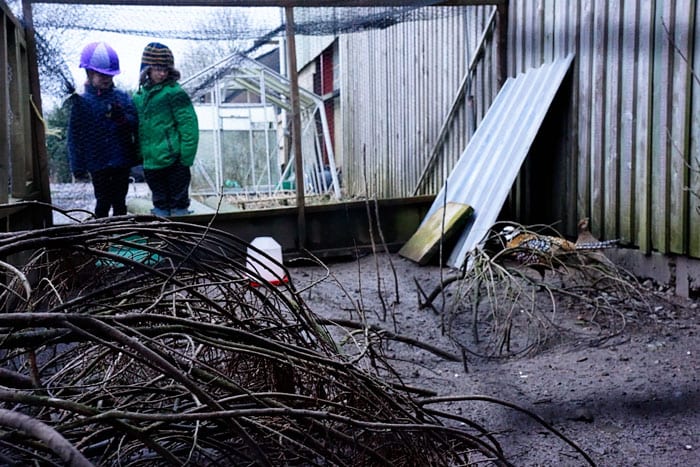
169	187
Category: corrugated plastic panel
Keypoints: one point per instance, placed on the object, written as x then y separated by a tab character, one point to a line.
484	174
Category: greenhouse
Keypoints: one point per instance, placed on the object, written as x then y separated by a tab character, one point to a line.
244	110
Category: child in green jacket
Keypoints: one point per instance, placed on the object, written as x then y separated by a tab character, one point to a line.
168	131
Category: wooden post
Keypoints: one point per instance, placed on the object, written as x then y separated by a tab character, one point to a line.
40	166
296	125
502	44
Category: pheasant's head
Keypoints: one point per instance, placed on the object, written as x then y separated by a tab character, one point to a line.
583	224
509	232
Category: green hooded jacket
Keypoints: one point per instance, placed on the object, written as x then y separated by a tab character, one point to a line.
168	127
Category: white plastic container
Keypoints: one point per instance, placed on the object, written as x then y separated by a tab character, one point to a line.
262	266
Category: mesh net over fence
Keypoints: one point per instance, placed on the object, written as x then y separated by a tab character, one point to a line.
232	65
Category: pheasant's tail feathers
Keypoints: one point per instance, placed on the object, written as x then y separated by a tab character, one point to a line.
598	245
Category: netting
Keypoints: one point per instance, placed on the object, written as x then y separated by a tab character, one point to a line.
232	65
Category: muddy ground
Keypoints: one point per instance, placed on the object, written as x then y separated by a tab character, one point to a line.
625	390
624	386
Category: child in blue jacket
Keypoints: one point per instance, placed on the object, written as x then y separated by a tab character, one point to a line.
102	131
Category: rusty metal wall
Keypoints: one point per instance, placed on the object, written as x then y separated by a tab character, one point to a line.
635	131
397	88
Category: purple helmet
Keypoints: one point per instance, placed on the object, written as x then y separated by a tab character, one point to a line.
100	57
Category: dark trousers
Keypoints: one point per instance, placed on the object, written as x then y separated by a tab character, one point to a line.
111	186
169	187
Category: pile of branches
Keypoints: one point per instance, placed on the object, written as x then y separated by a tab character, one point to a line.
139	341
500	307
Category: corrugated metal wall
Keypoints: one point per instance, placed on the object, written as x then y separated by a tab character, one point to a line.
635	128
397	87
631	147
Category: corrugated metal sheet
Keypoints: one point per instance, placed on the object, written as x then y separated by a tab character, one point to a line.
484	174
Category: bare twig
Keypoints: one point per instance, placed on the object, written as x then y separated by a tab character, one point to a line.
53	440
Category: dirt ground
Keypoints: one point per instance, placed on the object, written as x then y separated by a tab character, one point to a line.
630	398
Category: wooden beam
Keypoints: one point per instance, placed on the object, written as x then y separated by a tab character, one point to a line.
296	125
7	28
39	154
502	44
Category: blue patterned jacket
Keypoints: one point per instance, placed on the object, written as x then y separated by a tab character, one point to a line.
102	130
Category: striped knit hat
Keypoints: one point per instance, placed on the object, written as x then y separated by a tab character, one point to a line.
157	54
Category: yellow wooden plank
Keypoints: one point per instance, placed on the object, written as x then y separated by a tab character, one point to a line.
423	245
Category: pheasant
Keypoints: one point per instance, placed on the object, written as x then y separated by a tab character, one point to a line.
541	251
530	248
